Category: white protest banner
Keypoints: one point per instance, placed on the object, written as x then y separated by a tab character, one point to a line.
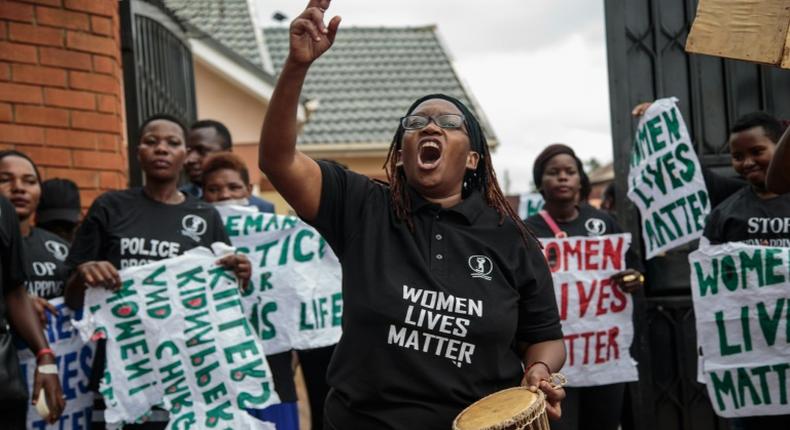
595	312
529	204
177	337
74	358
665	180
742	309
295	300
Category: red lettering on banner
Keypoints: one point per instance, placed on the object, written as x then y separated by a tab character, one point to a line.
612	254
620	302
564	301
556	264
570	251
590	251
598	347
608	297
584	299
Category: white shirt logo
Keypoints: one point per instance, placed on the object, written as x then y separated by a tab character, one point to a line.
481	266
57	249
595	227
193	227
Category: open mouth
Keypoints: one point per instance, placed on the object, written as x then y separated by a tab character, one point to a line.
429	154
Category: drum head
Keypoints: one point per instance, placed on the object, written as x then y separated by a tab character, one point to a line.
493	411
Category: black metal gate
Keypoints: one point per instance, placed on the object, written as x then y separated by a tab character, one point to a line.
157	70
645	42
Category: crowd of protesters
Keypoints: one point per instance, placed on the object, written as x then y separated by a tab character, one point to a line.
442	189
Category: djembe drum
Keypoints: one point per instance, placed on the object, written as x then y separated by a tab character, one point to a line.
510	409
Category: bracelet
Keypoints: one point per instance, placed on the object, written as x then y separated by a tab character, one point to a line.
548	368
44	351
48	369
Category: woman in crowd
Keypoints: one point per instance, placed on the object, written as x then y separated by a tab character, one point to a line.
139	225
227	181
559	175
18	313
45	252
441	229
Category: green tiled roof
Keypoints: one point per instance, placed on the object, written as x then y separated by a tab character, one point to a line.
368	79
226	21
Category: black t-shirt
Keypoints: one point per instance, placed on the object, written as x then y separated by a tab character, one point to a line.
12	255
590	222
128	228
720	187
745	217
46	261
431	318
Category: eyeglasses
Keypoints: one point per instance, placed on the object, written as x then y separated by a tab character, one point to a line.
418	122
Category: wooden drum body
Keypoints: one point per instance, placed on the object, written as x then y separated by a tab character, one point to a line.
510	409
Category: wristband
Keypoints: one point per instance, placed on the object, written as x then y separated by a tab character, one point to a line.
548	368
48	369
44	351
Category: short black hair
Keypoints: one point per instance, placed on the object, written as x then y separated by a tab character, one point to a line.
227	141
15	153
165	117
772	126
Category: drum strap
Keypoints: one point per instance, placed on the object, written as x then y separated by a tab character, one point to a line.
559	234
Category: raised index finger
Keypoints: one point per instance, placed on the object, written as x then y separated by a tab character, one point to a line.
321	4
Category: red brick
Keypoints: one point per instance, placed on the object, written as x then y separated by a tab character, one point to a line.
90	43
111	180
99	7
16	11
20	93
94	82
17	52
46	156
107	142
62	18
70	138
101	25
5	72
5	112
98	160
45	2
48	76
64	58
14	133
41	115
106	104
95	121
2	30
35	34
69	99
83	178
88	196
102	64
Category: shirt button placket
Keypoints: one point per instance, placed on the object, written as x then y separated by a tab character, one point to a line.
439	250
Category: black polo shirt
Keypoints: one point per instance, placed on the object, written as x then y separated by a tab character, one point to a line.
46	260
431	318
745	217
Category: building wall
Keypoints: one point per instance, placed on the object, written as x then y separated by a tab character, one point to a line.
61	90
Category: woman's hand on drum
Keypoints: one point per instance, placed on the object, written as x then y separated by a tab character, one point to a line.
629	280
241	267
538	377
309	37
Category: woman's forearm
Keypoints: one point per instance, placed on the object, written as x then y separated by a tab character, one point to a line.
24	319
551	352
74	292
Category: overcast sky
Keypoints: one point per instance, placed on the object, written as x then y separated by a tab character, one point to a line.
537	68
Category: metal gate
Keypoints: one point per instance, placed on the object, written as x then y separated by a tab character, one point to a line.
157	70
645	43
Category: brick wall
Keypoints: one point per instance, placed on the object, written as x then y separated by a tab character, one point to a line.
61	90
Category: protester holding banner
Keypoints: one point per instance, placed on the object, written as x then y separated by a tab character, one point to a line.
559	175
436	292
227	181
140	225
17	312
45	252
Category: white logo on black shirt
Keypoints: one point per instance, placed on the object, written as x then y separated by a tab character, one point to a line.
595	226
481	266
57	249
193	227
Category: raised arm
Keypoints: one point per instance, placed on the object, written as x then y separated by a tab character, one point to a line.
295	176
778	179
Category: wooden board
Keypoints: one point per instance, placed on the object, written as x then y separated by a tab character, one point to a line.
751	30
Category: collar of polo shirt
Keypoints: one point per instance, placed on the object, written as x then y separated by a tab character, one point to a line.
470	208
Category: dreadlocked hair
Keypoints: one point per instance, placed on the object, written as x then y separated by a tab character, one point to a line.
483	178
